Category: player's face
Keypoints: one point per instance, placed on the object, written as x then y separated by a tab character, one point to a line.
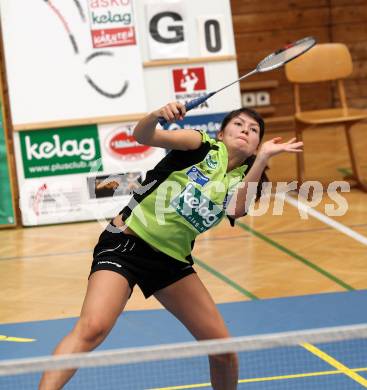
241	133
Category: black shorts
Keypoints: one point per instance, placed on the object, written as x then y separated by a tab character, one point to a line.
137	261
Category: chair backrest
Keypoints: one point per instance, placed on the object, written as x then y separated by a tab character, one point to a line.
324	62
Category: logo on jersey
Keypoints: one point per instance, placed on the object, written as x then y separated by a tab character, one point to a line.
211	162
197	176
197	209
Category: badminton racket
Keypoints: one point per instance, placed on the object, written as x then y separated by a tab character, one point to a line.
273	61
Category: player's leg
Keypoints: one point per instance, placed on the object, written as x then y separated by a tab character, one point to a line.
105	299
191	303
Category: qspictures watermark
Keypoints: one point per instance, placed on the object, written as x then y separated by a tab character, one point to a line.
202	206
195	205
310	195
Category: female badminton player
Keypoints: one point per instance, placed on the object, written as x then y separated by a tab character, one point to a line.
150	242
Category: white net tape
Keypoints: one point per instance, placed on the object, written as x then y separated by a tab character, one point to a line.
181	350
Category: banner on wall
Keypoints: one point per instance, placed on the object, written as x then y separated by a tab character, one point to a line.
6	200
166	24
186	82
62	151
209	123
82	56
81	173
111	23
189	83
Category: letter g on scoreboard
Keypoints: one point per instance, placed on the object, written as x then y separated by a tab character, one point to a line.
172	33
167	30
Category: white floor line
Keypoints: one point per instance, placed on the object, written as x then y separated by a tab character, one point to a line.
327	220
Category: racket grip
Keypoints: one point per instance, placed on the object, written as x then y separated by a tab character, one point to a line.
162	121
196	102
190	105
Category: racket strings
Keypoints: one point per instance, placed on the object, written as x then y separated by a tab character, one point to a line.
286	54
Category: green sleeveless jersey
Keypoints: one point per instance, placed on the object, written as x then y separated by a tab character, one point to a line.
184	195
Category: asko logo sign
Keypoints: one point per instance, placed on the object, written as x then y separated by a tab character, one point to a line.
121	144
189	80
111	23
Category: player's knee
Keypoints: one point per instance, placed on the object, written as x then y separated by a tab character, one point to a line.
92	329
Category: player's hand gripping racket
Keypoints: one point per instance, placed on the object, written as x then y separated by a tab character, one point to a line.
272	61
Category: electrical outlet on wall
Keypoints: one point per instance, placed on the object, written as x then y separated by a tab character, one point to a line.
262	98
249	99
256	99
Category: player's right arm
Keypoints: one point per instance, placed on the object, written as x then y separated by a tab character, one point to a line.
146	131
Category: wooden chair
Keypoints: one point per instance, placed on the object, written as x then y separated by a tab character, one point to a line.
324	62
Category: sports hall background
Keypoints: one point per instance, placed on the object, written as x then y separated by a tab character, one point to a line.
269	273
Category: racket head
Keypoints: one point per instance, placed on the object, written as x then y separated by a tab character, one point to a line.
287	53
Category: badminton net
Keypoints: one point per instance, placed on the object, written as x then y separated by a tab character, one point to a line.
327	358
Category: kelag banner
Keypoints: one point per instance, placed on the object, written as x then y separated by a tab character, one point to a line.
6	201
59	152
79	173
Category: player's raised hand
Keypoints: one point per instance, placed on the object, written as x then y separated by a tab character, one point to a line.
275	146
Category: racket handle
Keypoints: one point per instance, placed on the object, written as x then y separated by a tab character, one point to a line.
190	105
196	102
162	121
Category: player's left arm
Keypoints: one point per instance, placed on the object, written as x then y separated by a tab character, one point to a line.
243	195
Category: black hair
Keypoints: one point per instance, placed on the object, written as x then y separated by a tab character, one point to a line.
250	160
